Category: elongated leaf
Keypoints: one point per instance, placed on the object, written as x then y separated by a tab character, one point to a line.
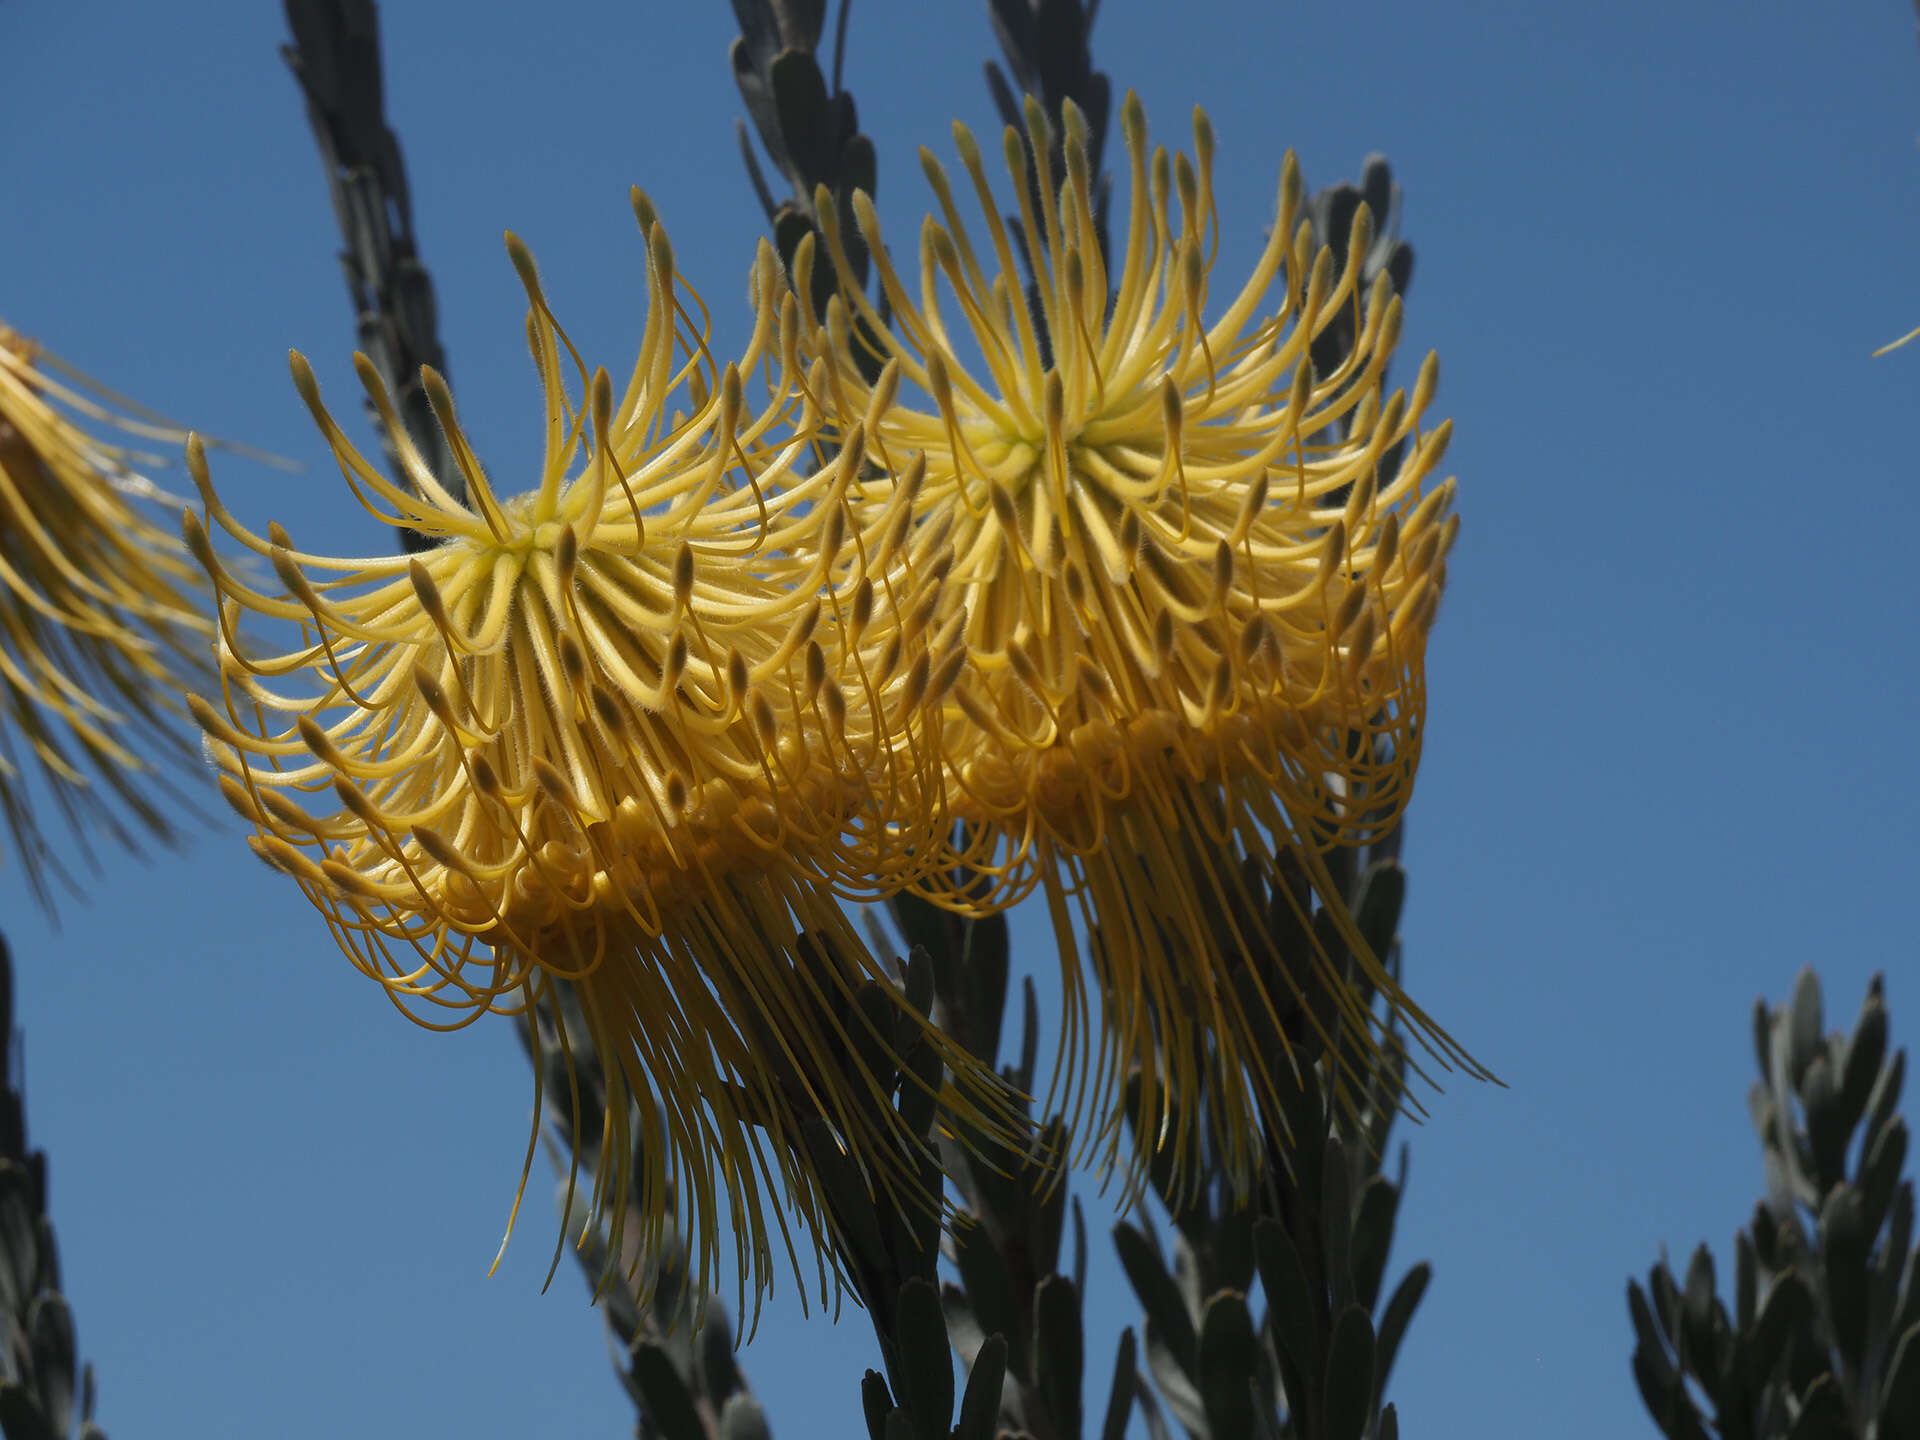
926	1362
1843	1246
1900	1395
1372	1238
1336	1222
1394	1320
800	100
1376	909
1697	1307
1805	1024
669	1403
1120	1397
962	1329
1349	1377
1229	1355
1746	1281
741	1418
980	1405
1827	1128
1865	1051
1296	1314
1150	1416
1823	1413
876	1403
990	1294
56	1358
925	926
1158	1294
1047	1209
1880	1173
850	1200
1650	1342
1886	1094
1175	1384
1057	1352
1784	1312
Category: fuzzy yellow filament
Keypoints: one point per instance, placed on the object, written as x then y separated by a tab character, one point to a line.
1195	603
97	627
630	730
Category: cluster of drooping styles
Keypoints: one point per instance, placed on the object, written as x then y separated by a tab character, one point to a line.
634	731
97	627
1196	603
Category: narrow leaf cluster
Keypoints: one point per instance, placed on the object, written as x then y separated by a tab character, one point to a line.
1824	1336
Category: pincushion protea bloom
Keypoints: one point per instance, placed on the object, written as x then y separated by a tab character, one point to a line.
627	731
1196	608
96	625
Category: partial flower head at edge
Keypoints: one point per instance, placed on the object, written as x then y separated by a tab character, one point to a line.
99	626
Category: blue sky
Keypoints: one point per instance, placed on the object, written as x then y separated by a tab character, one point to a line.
1665	768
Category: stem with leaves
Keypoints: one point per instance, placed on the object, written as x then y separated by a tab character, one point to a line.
1823	1342
335	55
38	1352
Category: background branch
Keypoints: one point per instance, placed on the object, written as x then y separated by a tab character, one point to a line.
335	55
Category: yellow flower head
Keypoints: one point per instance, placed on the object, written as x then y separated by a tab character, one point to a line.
627	730
1196	606
96	625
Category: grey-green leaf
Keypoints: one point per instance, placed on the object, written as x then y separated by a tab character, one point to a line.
876	1403
1229	1356
990	1293
1843	1246
1376	910
1120	1397
56	1356
1296	1317
1057	1353
926	1361
800	100
20	1415
669	1403
1158	1294
1696	1310
986	946
919	983
1175	1384
1349	1377
1746	1281
1865	1051
849	1198
1823	1413
1827	1125
1336	1220
1805	1021
1900	1394
741	1418
1394	1320
1372	1238
980	1404
1886	1093
919	1089
1880	1174
1784	1311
